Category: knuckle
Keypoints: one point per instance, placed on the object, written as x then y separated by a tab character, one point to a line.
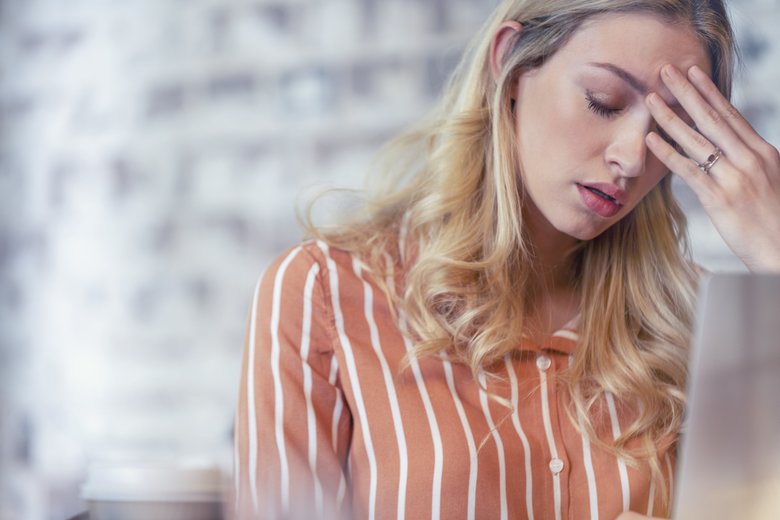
731	112
668	116
752	163
772	154
724	198
713	116
691	168
701	141
687	88
663	154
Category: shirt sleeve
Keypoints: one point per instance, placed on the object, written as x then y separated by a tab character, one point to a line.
293	426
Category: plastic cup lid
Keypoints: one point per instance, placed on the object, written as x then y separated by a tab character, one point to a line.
152	482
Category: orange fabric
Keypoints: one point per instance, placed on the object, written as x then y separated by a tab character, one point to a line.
329	426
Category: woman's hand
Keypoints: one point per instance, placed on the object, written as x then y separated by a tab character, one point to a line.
740	189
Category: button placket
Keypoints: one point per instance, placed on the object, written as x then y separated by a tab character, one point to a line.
557	462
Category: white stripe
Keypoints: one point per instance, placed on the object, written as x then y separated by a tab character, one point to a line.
334	435
334	432
438	452
529	505
334	370
311	421
403	455
621	463
651	498
483	400
551	442
593	498
250	403
590	473
353	377
568	334
472	496
284	477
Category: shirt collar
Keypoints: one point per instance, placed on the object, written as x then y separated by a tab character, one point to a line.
563	340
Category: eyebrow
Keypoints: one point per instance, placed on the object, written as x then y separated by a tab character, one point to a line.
626	76
634	82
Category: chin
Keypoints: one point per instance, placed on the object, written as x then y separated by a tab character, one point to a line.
586	233
590	227
586	236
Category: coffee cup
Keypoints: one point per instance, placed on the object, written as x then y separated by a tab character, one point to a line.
153	491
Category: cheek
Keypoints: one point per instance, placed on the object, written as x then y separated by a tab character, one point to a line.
560	132
575	128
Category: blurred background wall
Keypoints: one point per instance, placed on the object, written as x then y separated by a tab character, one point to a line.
152	154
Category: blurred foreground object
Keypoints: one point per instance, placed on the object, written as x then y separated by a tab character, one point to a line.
730	453
154	491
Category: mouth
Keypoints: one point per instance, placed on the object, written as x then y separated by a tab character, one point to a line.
601	194
596	199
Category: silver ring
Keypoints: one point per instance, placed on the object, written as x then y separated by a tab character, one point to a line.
711	160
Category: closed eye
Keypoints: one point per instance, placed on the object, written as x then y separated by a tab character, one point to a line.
600	108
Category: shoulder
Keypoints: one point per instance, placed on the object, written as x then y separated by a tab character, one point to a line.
292	267
308	263
301	258
294	293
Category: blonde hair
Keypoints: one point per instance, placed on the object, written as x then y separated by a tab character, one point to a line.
469	277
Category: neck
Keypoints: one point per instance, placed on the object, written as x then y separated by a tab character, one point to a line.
555	299
553	252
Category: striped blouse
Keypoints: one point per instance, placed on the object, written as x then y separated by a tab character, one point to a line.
330	426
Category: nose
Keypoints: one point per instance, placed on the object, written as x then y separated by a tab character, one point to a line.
626	153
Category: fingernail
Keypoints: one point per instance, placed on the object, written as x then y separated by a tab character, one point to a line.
652	138
652	98
669	71
696	72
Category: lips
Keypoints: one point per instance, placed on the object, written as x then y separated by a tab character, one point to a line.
606	200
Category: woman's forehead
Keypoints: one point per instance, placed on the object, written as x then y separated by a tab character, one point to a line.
634	46
637	37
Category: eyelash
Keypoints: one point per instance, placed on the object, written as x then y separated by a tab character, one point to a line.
600	108
608	112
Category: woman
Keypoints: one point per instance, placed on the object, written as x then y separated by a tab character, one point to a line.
505	334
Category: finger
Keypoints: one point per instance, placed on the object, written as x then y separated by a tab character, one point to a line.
697	180
722	106
695	145
731	115
708	120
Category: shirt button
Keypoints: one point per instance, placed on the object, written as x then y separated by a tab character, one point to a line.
543	362
556	466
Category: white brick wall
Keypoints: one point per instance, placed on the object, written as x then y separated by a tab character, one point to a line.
151	155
